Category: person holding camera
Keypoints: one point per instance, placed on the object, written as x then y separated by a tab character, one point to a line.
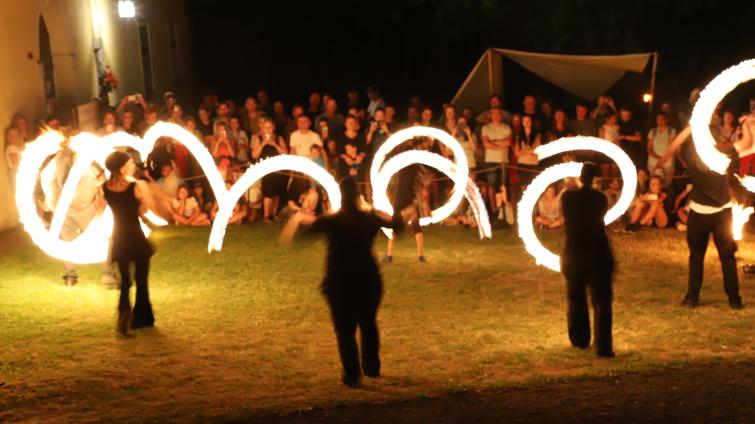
604	108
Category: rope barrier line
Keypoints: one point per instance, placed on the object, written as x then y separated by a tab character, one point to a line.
444	178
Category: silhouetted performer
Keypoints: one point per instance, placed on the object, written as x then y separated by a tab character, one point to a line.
128	199
587	261
352	283
710	213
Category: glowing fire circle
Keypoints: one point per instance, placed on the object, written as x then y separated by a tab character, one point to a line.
558	172
381	173
91	246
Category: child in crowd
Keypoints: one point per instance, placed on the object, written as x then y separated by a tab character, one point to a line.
549	210
315	152
351	161
333	161
613	192
648	209
186	209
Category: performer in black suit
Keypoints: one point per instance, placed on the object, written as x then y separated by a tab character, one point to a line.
587	261
352	283
710	214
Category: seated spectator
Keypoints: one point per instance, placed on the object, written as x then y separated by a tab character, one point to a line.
302	201
613	191
203	199
21	123
204	126
239	209
681	208
169	181
649	208
177	114
186	209
549	214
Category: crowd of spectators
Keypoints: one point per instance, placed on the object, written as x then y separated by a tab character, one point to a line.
343	137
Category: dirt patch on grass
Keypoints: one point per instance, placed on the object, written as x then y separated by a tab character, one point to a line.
709	392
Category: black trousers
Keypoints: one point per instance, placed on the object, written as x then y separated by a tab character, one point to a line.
349	313
142	308
596	276
699	228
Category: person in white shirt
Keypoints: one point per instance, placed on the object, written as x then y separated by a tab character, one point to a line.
303	139
496	138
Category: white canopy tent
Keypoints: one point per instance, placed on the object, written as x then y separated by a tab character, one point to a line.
586	77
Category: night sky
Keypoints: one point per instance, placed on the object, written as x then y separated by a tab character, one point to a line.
427	47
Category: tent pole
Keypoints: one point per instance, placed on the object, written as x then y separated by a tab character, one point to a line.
490	72
652	88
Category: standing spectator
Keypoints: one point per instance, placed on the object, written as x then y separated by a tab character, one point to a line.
315	106
250	116
529	108
449	115
303	138
630	137
109	123
659	140
412	116
559	127
426	117
273	185
222	114
496	102
21	123
127	123
240	140
390	118
728	131
204	125
604	108
335	119
546	113
176	114
351	135
609	131
582	124
264	104
496	138
470	115
222	148
376	101
293	124
529	138
280	118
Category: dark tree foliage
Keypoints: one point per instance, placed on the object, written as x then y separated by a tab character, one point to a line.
427	47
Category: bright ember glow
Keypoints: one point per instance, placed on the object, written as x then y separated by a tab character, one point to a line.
740	216
710	97
255	173
571	169
126	9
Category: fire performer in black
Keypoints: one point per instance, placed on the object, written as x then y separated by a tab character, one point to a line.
587	261
128	199
352	284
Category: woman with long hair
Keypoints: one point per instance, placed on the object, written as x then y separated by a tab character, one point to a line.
128	199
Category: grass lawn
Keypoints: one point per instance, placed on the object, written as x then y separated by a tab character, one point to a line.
246	331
